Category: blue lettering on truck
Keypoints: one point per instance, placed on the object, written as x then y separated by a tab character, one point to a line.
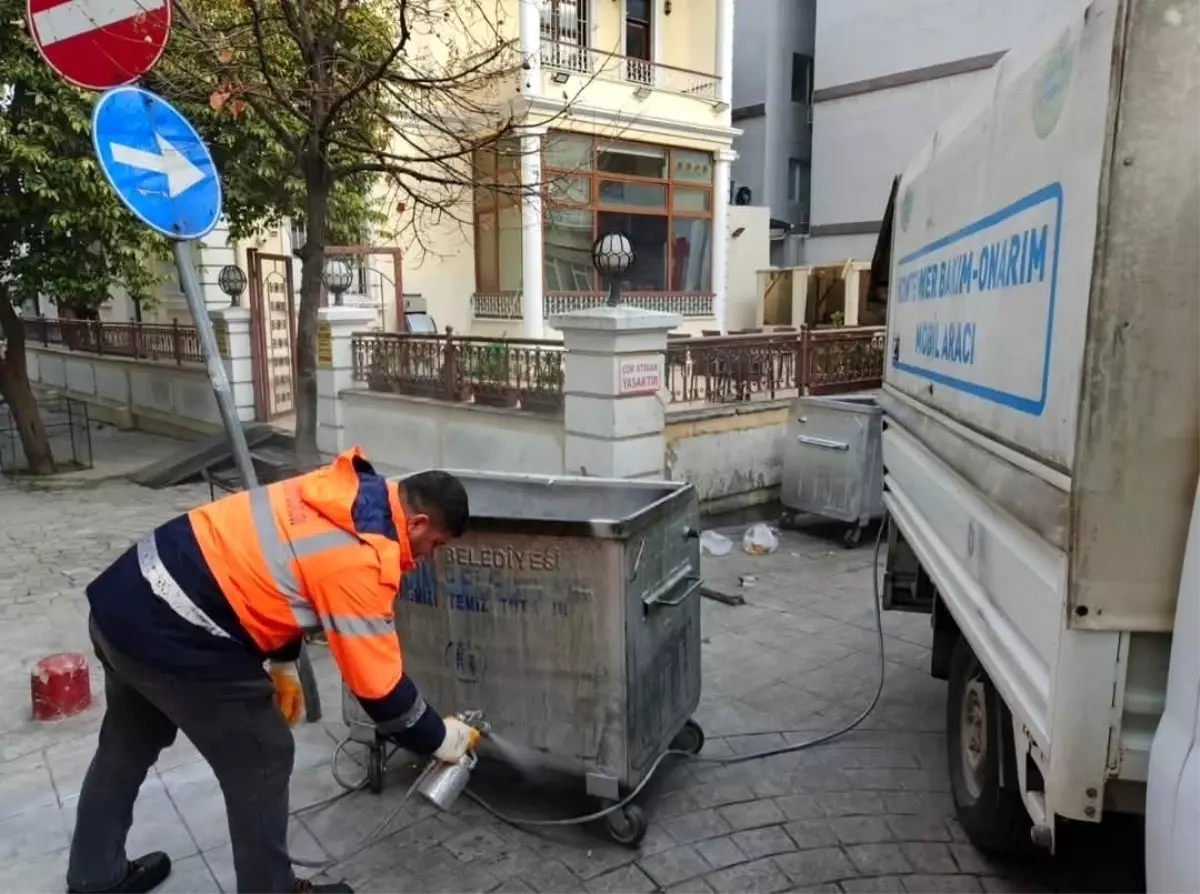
945	296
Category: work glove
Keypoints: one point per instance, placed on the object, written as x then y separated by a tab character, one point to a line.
460	738
289	695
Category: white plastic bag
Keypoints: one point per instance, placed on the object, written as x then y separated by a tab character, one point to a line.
715	544
760	540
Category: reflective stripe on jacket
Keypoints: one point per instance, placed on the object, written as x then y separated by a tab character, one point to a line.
241	579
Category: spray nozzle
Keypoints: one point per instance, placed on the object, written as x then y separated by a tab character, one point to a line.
474	719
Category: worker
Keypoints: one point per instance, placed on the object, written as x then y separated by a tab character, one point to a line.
185	620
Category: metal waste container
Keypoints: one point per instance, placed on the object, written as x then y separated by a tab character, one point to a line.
569	614
833	462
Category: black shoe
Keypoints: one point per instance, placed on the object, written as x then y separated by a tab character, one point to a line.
143	874
305	886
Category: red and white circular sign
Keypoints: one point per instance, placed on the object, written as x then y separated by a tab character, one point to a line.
100	44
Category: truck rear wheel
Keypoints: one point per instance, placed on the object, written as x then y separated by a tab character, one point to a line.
977	720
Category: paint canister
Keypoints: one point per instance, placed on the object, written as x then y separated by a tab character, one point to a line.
445	782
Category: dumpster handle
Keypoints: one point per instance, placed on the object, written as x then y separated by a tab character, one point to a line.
822	442
678	576
637	561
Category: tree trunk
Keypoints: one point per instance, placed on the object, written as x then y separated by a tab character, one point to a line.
312	270
18	392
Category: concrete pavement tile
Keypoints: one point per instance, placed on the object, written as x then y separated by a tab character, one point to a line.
595	859
301	844
969	859
157	825
883	884
514	886
811	833
475	844
458	880
696	826
759	877
44	873
878	859
33	833
552	877
190	875
942	884
813	867
25	784
751	815
929	857
850	803
691	886
801	807
756	843
627	880
674	866
718	794
721	852
917	827
68	763
860	829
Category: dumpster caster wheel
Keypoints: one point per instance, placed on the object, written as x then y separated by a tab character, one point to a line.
627	825
689	739
375	769
852	537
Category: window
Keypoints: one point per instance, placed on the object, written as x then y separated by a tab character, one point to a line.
565	21
802	78
639	42
799	177
661	199
498	218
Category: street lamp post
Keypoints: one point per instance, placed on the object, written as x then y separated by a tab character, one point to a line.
337	277
613	255
232	281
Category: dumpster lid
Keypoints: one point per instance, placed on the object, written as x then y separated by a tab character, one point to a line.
565	505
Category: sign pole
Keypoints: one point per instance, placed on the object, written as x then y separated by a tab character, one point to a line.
213	363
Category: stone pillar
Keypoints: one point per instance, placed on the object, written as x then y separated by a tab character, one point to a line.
720	257
850	277
532	309
529	24
231	325
799	295
335	370
614	373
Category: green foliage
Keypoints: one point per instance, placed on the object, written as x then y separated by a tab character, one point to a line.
63	233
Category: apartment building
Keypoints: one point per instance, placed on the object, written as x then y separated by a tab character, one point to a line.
773	47
887	72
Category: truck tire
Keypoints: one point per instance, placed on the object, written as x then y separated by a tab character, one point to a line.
992	814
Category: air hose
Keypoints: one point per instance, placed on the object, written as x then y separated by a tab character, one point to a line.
380	831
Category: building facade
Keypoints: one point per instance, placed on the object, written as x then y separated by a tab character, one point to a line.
888	72
772	106
625	125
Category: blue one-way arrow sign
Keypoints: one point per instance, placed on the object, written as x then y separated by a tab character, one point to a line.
157	163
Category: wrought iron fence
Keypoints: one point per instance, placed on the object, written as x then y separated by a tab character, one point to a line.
524	373
143	341
720	369
68	432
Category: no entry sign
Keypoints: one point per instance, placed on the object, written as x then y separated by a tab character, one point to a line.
99	44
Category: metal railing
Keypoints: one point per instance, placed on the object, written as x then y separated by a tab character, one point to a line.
143	341
575	59
515	372
735	368
507	305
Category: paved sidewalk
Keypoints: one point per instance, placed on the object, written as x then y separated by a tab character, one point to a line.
868	812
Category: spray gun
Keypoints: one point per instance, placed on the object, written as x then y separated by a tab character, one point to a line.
442	783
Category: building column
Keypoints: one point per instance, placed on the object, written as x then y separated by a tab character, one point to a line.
532	307
850	280
613	415
724	33
335	370
720	248
231	326
529	23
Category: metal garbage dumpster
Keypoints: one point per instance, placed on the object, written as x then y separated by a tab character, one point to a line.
833	462
569	614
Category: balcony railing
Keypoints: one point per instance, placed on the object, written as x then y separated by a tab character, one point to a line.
144	341
507	305
575	59
738	368
514	372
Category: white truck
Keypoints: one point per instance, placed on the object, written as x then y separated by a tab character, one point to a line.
1042	428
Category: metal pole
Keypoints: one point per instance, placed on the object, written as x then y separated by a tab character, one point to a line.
213	364
614	292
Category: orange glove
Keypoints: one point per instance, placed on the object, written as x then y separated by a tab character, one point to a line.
289	695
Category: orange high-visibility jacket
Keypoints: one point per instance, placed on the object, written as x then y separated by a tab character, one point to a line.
215	592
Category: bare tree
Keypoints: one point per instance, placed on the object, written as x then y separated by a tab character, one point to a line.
365	105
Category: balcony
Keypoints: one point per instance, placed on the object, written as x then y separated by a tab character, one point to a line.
571	59
504	306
